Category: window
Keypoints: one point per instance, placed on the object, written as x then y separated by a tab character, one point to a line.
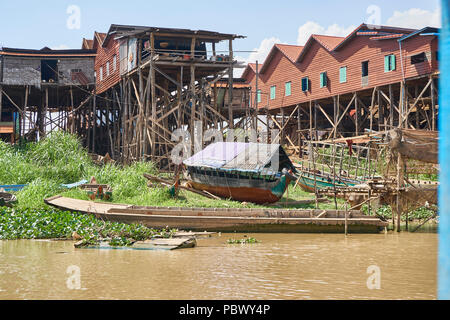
49	70
288	89
273	91
365	68
418	58
323	80
101	73
258	97
114	63
343	75
107	69
389	63
305	84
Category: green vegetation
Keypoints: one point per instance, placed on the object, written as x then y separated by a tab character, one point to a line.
243	241
386	212
56	224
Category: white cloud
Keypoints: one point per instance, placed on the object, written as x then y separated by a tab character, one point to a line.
260	54
311	27
60	47
416	18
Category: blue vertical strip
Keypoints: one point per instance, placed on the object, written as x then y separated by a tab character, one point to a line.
444	156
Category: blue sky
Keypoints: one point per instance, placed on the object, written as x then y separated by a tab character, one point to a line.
35	24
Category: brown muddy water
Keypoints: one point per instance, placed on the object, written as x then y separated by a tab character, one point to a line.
282	266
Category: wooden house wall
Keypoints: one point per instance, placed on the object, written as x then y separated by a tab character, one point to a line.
27	70
104	55
318	60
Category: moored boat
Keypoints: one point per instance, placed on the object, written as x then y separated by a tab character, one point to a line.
246	172
309	181
229	219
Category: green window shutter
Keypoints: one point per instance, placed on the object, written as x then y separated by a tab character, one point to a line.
305	84
288	89
259	96
389	63
323	80
273	92
343	75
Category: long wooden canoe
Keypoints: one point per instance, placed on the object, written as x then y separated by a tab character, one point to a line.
227	220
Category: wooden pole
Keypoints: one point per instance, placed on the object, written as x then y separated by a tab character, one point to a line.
300	142
346	219
25	106
433	105
391	107
400	182
1	102
282	127
230	86
94	122
356	116
255	121
192	87
153	94
312	150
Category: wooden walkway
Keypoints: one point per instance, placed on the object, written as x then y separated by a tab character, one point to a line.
227	220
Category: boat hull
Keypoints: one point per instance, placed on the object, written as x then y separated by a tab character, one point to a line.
242	194
227	220
309	182
258	191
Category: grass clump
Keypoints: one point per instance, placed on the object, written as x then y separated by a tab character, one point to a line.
243	241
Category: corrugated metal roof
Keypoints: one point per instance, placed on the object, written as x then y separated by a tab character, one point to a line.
255	157
46	52
216	155
234	156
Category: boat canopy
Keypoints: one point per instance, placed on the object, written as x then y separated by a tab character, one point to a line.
239	156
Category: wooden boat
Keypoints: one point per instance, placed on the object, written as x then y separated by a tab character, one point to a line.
7	199
227	220
310	180
246	172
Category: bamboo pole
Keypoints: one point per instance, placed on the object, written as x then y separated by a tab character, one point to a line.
1	102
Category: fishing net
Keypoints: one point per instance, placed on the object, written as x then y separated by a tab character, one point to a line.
412	198
415	144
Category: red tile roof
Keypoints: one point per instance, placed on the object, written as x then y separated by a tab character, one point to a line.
290	51
329	42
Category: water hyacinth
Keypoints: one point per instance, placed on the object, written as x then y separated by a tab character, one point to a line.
56	224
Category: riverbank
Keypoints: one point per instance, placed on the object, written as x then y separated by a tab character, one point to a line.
60	159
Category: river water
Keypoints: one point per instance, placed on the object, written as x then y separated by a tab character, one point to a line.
281	266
